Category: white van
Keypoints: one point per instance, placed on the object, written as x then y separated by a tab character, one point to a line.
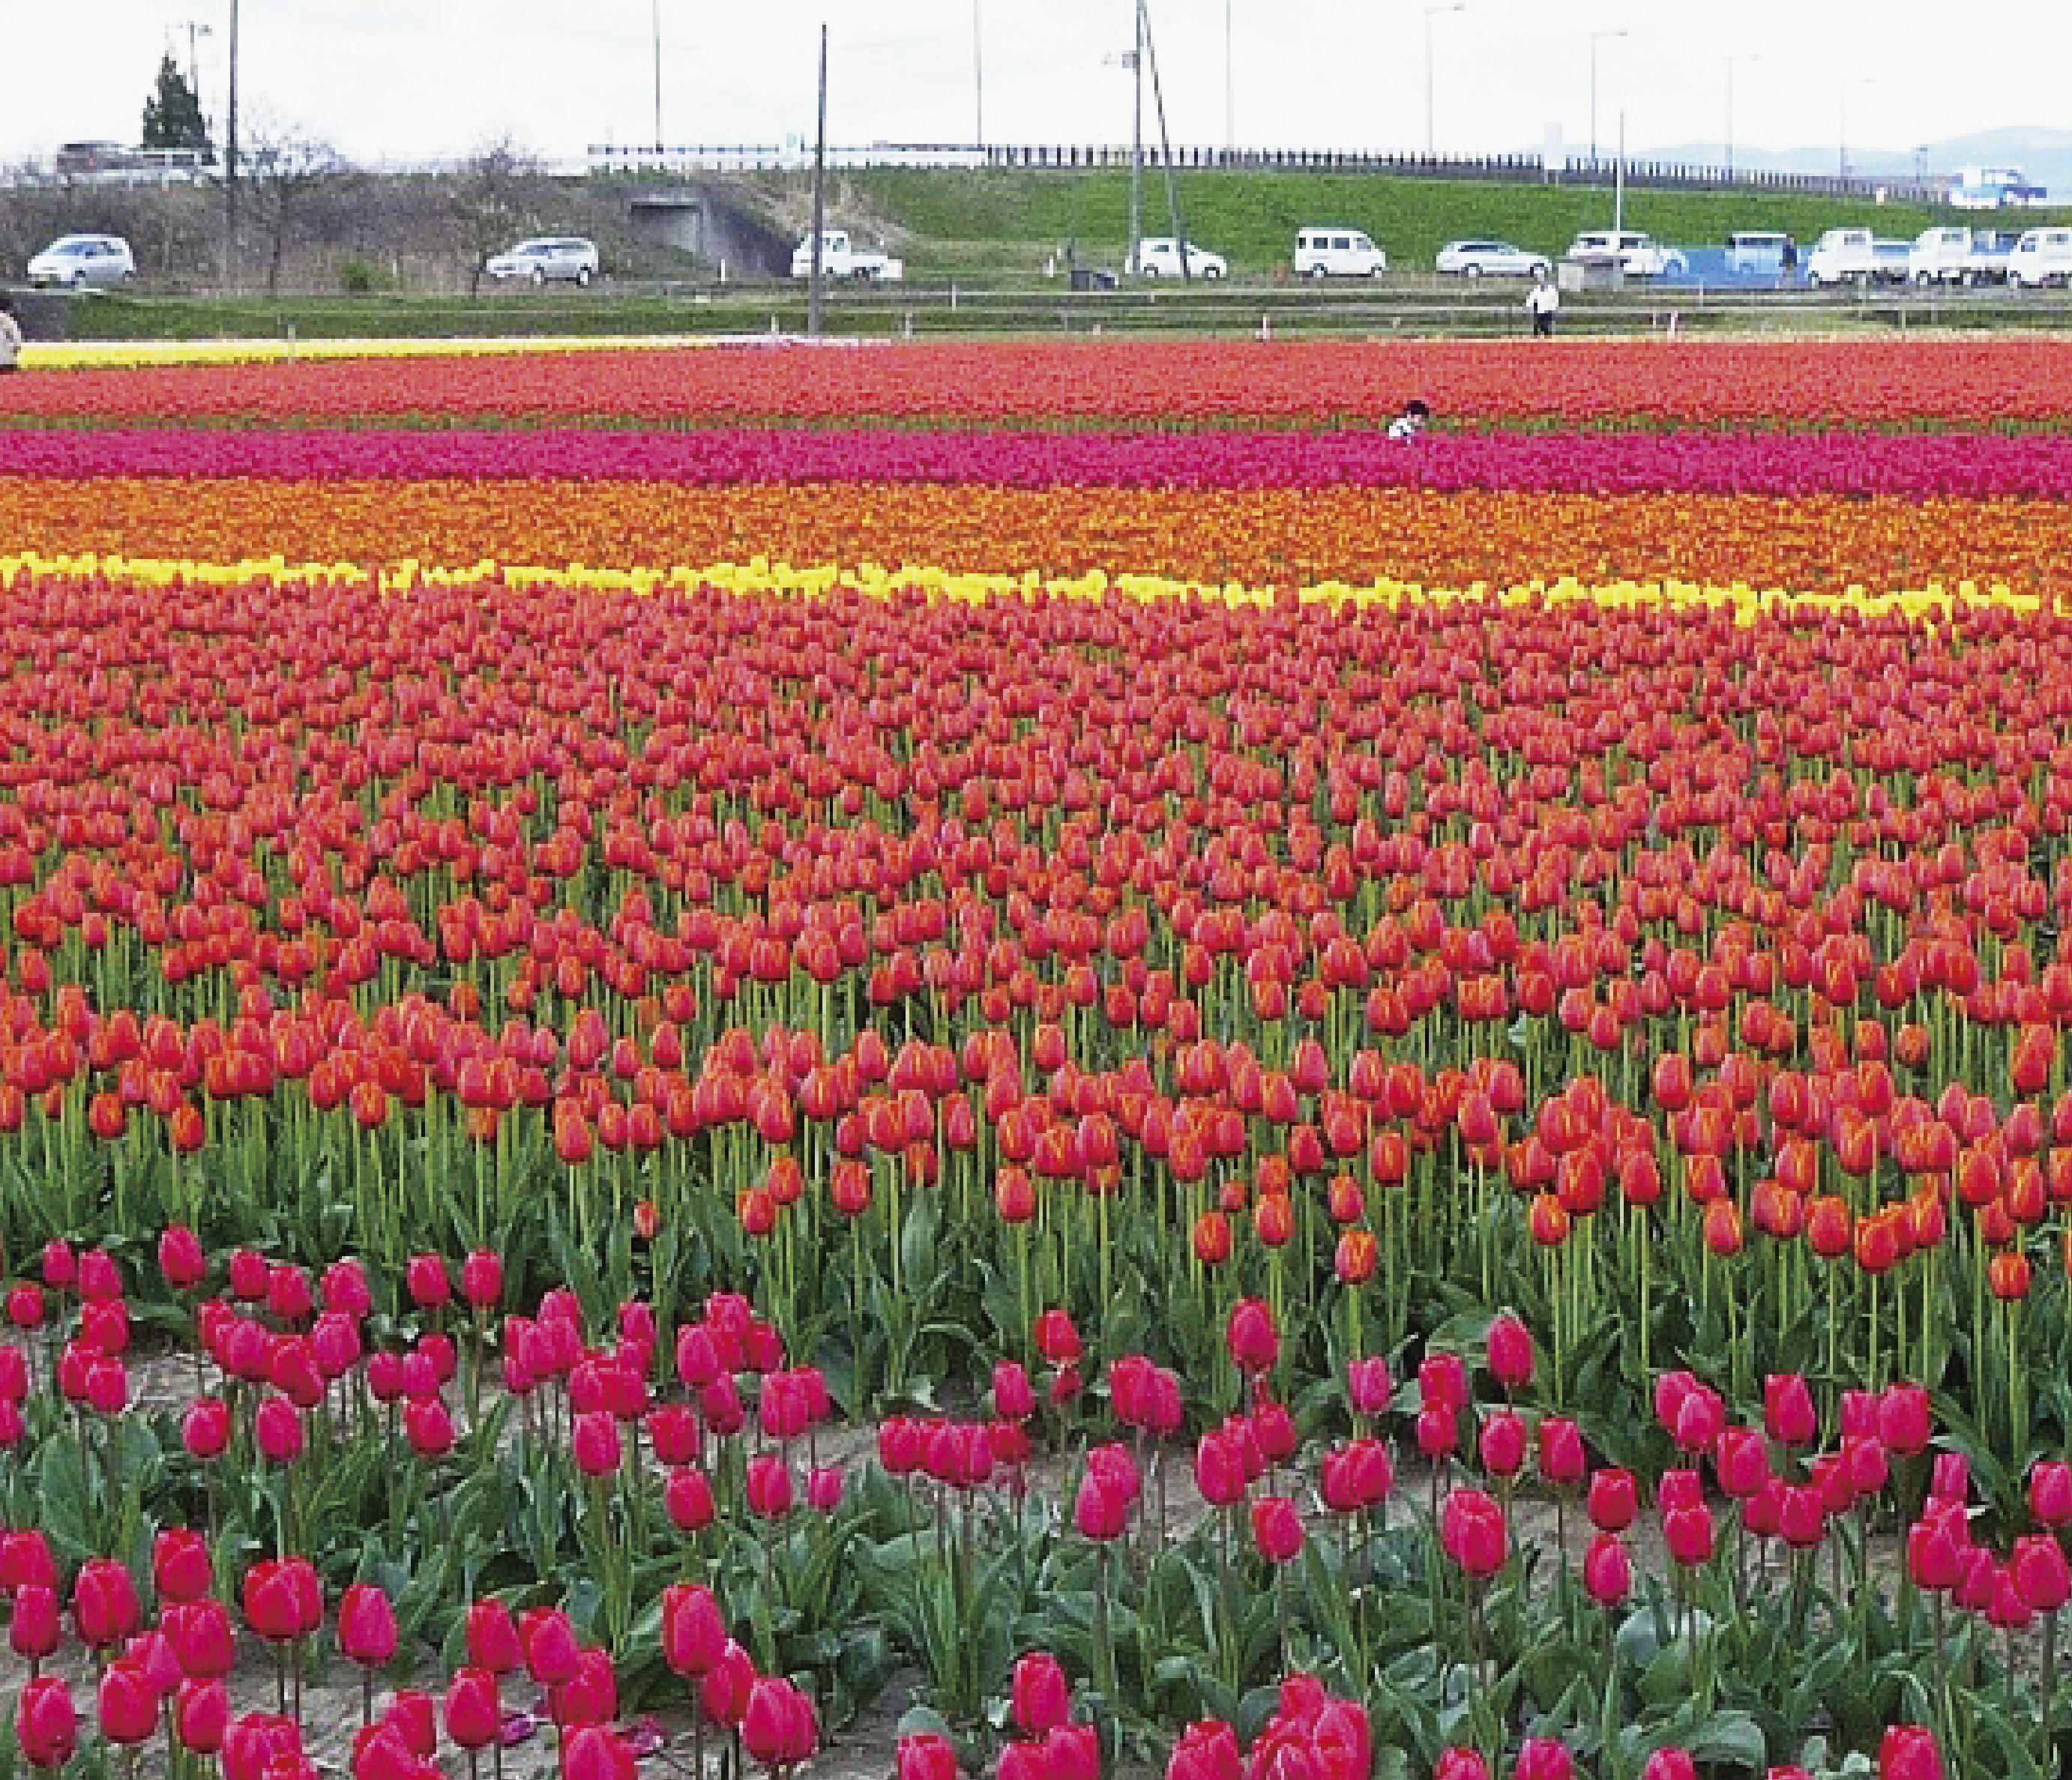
1337	252
2043	256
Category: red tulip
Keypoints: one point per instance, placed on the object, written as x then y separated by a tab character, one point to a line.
482	1279
1543	1758
474	1709
1056	1339
770	1488
693	1634
1688	1532
595	1751
1607	1570
45	1724
1562	1461
1614	1500
277	1428
1510	1355
1788	1411
34	1628
1908	1751
2050	1492
1473	1532
1460	1764
492	1638
595	1444
181	1259
283	1599
2039	1573
925	1755
1502	1444
103	1602
779	1726
1277	1529
1368	1386
201	1714
1670	1765
366	1633
1255	1344
201	1637
1207	1750
1041	1696
181	1570
687	1498
127	1704
550	1642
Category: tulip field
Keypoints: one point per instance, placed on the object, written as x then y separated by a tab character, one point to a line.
1035	1061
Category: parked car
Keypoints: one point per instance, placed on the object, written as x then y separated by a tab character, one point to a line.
1328	251
1628	251
97	262
1856	256
841	257
1485	259
2041	257
1991	249
1158	257
1939	256
566	257
1757	252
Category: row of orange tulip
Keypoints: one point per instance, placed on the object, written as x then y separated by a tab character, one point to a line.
1498	538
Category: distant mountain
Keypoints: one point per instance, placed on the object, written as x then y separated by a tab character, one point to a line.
2044	155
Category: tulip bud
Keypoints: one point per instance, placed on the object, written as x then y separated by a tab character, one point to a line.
1788	1411
1510	1355
1502	1444
474	1710
201	1713
103	1602
1254	1342
1472	1533
925	1755
1277	1529
1543	1758
1614	1499
366	1633
46	1723
1908	1751
1041	1696
34	1629
1607	1570
2050	1492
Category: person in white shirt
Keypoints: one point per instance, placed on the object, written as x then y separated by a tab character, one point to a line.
1543	302
1410	423
11	339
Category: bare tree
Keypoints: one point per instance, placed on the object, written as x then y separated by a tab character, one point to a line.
296	187
499	192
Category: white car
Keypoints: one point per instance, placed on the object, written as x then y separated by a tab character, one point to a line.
1484	259
84	261
2043	256
1332	252
1628	251
567	257
1158	257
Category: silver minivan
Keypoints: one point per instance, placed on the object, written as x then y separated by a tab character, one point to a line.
1327	252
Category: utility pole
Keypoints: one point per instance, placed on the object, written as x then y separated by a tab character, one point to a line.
978	79
1136	146
816	296
230	160
656	12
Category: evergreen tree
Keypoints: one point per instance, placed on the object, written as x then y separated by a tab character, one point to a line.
172	115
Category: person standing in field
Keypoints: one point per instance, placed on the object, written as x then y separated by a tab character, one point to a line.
1543	302
10	339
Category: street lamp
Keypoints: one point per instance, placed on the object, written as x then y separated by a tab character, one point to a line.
1731	60
1596	37
1842	119
1459	6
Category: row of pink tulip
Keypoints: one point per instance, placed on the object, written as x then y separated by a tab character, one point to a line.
1774	464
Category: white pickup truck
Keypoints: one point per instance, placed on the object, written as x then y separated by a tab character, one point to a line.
841	258
1959	256
1857	256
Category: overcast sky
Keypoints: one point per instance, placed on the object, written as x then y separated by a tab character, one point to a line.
412	79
